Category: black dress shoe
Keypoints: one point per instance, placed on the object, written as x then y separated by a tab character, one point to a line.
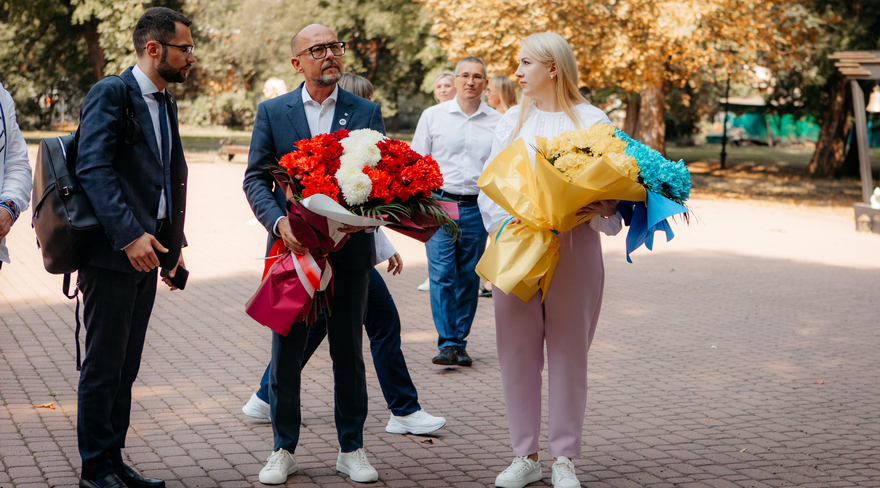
447	357
463	358
134	480
109	481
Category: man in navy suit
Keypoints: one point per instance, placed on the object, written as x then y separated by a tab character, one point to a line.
318	106
132	168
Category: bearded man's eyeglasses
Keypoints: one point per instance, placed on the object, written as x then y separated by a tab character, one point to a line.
187	50
320	51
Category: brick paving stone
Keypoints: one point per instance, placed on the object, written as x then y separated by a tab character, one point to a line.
787	296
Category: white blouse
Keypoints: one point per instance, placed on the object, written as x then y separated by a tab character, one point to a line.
541	124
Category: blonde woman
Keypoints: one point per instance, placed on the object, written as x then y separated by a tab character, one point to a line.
565	319
444	86
501	94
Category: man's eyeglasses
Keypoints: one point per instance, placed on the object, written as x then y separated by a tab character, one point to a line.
476	78
187	50
320	51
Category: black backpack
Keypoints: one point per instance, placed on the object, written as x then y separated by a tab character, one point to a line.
63	217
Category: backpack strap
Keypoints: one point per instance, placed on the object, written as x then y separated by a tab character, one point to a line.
65	288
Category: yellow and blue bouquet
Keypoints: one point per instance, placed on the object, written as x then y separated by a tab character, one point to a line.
572	170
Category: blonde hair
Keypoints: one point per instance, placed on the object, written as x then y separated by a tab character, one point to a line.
550	47
440	76
357	85
506	91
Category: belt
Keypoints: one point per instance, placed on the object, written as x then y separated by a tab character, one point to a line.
457	198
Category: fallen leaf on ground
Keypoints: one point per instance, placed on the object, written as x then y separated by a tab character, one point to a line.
820	382
428	441
46	405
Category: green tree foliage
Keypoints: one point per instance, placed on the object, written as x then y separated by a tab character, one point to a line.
43	58
241	43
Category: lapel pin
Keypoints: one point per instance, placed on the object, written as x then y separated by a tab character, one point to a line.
346	114
342	121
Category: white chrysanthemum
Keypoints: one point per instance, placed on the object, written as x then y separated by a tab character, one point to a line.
362	144
357	189
356	158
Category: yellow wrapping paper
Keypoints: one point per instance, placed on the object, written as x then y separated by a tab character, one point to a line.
521	257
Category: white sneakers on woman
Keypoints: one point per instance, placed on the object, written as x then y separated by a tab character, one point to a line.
563	475
520	473
524	471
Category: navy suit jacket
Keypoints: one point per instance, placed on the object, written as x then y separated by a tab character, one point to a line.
280	123
119	166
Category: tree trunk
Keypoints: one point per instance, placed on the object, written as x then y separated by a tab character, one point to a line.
631	123
831	147
96	53
652	125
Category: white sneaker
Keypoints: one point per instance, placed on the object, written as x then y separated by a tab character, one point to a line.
418	423
562	474
280	465
426	286
356	466
520	473
257	408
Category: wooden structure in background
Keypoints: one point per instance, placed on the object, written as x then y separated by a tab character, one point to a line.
861	65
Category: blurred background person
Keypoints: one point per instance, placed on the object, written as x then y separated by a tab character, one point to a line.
444	86
273	87
16	179
501	94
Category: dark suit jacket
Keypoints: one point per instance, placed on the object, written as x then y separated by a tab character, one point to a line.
120	168
280	123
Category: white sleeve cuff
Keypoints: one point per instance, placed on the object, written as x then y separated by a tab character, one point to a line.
610	226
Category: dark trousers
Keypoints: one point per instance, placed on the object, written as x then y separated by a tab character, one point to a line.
346	350
382	324
116	309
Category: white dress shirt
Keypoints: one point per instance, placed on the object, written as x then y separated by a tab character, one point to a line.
459	143
542	124
147	89
320	115
320	119
15	170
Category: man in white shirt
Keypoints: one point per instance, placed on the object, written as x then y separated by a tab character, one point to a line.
15	171
458	135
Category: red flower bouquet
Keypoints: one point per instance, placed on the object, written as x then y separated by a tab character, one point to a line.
359	178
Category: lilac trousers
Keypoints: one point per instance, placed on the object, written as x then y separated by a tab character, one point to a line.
566	322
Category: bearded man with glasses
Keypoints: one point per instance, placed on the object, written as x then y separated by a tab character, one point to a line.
318	106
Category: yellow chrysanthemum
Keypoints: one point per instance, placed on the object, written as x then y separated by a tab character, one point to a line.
572	164
559	145
625	164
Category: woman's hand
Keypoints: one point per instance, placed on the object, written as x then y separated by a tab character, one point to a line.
605	208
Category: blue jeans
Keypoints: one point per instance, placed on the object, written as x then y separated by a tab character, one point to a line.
455	286
382	324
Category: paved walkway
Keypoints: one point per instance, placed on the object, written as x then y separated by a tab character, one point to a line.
745	353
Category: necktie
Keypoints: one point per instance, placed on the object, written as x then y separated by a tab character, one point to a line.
166	147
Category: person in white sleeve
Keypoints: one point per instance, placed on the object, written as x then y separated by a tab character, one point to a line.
16	178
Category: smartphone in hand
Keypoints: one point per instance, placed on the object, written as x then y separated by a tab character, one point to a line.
180	276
